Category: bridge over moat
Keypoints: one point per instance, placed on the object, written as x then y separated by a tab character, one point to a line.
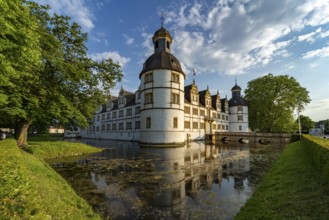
253	137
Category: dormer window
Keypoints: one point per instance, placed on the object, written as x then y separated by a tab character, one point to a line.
173	62
156	45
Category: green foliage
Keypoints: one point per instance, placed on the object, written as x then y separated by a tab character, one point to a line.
30	189
292	189
55	149
306	123
272	101
46	75
20	56
318	149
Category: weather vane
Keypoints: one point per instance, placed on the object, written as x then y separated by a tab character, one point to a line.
162	18
194	73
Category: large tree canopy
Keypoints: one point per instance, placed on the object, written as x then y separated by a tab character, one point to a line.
306	123
272	101
59	83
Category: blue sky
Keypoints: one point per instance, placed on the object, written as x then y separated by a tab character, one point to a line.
221	40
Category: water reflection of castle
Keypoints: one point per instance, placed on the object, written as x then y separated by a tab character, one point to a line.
173	176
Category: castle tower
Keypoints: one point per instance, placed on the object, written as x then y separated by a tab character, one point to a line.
162	94
238	109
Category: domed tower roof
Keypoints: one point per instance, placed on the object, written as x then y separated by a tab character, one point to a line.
236	96
162	33
236	88
161	58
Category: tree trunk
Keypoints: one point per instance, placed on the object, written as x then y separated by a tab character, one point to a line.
21	132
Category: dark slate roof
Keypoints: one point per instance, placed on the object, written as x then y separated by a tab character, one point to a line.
202	95
235	88
161	33
103	108
130	99
187	92
237	101
222	101
161	60
213	101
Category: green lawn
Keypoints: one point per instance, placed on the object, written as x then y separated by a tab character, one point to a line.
30	188
49	146
294	188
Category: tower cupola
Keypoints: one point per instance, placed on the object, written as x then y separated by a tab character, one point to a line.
162	40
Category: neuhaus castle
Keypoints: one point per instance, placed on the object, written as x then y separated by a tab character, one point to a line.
164	110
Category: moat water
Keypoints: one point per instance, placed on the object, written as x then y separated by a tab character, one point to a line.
197	181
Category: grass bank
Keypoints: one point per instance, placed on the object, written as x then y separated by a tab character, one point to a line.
30	188
294	188
52	146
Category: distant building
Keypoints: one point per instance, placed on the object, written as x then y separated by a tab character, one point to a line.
55	130
165	111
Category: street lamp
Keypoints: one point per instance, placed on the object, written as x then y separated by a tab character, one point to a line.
299	127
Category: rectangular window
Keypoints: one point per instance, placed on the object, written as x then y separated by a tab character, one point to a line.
108	115
201	112
223	127
175	122
187	124
148	122
175	98
240	108
97	128
121	126
103	127
240	117
226	117
128	112
114	114
214	114
149	98
240	127
148	77
108	127
223	117
202	126
137	124
114	127
128	126
98	118
218	127
187	110
120	113
214	126
195	125
103	117
226	127
195	111
137	110
175	77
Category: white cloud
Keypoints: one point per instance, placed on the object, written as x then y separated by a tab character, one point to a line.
129	40
324	34
114	55
310	37
234	36
316	109
323	52
77	10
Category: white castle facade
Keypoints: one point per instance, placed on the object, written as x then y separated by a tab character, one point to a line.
165	111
